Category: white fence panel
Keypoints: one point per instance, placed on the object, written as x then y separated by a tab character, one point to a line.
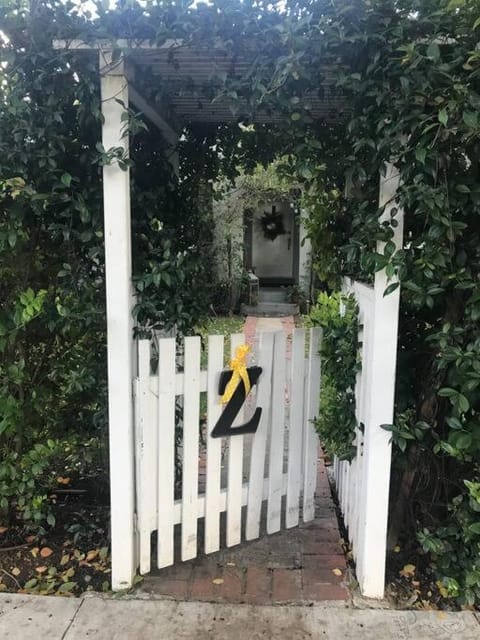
167	414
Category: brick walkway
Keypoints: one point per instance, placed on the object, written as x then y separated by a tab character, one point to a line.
300	565
297	566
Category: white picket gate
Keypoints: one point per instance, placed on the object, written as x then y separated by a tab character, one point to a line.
276	465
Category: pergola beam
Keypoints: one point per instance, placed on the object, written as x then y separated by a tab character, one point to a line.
170	135
119	43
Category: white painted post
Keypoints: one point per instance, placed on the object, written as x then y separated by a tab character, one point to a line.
305	259
377	448
118	271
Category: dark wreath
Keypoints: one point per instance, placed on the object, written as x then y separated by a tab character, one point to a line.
272	224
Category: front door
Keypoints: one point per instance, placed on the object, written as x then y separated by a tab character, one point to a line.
272	235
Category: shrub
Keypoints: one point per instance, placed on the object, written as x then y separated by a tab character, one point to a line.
336	314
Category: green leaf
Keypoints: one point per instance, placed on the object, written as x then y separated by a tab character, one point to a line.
30	583
295	116
462	402
66	587
421	154
433	51
391	288
447	392
464	441
66	179
443	116
453	422
470	118
474	528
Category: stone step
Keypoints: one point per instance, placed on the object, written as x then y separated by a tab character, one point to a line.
272	309
272	295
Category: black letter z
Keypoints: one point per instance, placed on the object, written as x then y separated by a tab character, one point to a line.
224	424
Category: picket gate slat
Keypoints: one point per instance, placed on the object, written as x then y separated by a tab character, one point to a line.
310	436
166	451
145	491
277	433
259	444
191	419
295	432
214	446
235	468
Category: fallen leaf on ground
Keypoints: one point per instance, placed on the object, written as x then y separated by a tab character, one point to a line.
46	552
16	571
337	572
34	551
41	569
3	529
66	587
65	559
61	480
397	548
217	581
407	571
91	555
30	539
443	590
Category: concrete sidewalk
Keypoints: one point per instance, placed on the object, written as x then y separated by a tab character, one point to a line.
102	618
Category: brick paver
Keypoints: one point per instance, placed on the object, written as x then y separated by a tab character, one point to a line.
299	565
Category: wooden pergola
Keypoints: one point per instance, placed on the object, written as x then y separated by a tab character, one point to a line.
120	64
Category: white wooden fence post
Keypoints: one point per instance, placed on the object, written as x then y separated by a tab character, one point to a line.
118	271
377	448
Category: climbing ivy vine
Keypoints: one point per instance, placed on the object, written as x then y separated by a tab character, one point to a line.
408	71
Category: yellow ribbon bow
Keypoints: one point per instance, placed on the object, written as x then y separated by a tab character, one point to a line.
240	373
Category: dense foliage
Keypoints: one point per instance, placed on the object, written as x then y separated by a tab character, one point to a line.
52	301
337	315
408	71
411	73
